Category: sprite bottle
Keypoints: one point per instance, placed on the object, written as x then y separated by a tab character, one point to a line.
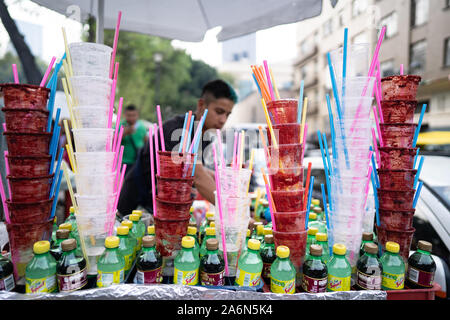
111	264
250	266
339	270
55	228
149	263
40	273
131	237
282	273
322	240
56	250
205	224
136	230
393	276
151	230
125	247
141	224
313	222
210	234
186	264
192	232
311	238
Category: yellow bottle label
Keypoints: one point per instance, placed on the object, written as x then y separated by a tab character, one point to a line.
41	285
139	243
280	286
393	281
128	261
247	279
105	279
188	278
338	284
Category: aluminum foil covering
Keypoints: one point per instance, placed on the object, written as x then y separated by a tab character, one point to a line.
178	292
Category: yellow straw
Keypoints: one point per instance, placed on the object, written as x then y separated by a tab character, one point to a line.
274	84
70	147
258	199
250	167
69	59
71	160
69	103
66	70
305	106
269	124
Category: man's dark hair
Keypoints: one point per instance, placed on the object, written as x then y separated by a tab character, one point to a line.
217	89
131	107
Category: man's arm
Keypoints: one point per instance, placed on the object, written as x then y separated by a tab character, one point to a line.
204	182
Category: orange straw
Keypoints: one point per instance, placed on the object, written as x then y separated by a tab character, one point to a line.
268	189
308	178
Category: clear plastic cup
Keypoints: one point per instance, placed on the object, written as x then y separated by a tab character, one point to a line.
396	219
351	185
90	204
234	182
369	214
347	204
286	133
396	199
351	240
28	144
91	117
357	60
94	162
92	140
26	120
350	106
353	128
175	164
290	221
24	96
90	59
397	179
29	212
356	87
30	188
98	184
91	91
356	168
234	209
288	201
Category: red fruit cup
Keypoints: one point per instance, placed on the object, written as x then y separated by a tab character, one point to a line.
395	199
29	166
30	189
287	133
172	210
397	179
26	120
284	179
169	234
175	164
397	220
398	111
397	158
174	189
286	156
283	111
403	238
296	242
290	221
399	87
29	212
288	201
28	144
398	135
24	96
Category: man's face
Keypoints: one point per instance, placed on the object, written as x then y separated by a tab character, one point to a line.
218	112
131	116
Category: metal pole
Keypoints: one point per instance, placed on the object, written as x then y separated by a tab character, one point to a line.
100	21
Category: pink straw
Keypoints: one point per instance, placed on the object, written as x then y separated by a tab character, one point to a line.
15	73
116	129
375	146
238	150
378	126
50	66
7	172
161	134
266	68
219	204
111	100
269	198
5	207
197	132
116	181
219	137
116	201
116	39
235	150
155	131
401	69
378	99
118	143
150	142
378	76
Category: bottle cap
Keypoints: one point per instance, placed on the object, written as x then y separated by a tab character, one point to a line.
315	250
192	231
127	223
371	248
71	210
192	223
191	210
393	247
425	245
123	230
268	238
138	212
315	202
209	214
312	231
321	236
267	231
55	219
339	248
62	234
41	247
188	242
212	244
257	223
212	224
312	216
210	231
260	229
253	244
67	226
282	252
249	233
367	236
112	242
134	217
69	244
151	229
317	210
148	241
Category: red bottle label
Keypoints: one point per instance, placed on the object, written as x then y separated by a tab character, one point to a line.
368	282
72	282
7	283
422	278
212	279
150	276
313	285
266	270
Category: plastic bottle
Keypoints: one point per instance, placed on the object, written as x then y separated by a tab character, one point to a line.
315	271
71	269
40	273
393	276
7	282
209	234
244	247
421	267
368	269
55	228
131	237
141	224
186	264
260	233
111	264
136	230
322	240
255	227
151	230
73	221
367	237
149	263
212	265
205	224
250	266
282	273
339	270
268	256
311	238
125	246
56	250
319	212
314	223
192	232
192	218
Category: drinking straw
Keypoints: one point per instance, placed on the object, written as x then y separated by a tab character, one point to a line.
366	191
55	193
325	146
300	102
272	208
58	167
158	113
378	76
304	142
309	202
219	205
47	72
111	103
69	103
417	195
325	206
116	129
257	85
116	201
250	167
325	169
69	85
187	128
242	150
266	151
52	141
260	72
155	132
188	143
15	73
308	179
378	100
305	107
7	171
54	147
69	58
375	195
5	207
344	66
235	143
330	115
117	148
322	151
401	69
269	82
69	146
380	138
116	40
51	105
69	185
375	146
269	124
219	139
150	142
119	162
239	153
416	179
58	66
416	134
277	94
415	158
183	132
262	85
374	169
197	139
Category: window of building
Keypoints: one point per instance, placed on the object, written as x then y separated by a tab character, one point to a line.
328	27
358	7
341	18
391	23
303	72
447	52
419	14
360	38
387	68
447	4
417	57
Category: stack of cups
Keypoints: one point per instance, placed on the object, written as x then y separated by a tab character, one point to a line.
28	173
173	201
97	166
352	139
286	179
396	172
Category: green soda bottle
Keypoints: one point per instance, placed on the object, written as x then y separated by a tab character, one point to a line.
250	266
192	218
136	230
255	227
125	247
393	276
260	233
149	263
368	269
205	224
71	269
73	221
56	250
282	273
244	247
111	264
367	237
314	223
141	224
40	273
319	212
268	256
131	237
73	234
322	240
55	228
311	238
315	271
209	234
186	264
151	230
421	267
339	270
192	232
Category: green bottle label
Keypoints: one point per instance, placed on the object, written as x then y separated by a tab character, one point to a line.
247	279
128	261
105	279
393	281
280	286
41	285
189	278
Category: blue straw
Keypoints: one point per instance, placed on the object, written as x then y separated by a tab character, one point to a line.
344	66
330	115
55	199
58	167
327	153
416	134
191	125
324	196
416	179
257	85
416	197
327	179
51	104
309	202
375	196
197	142
182	134
415	158
54	145
56	71
374	167
58	114
300	102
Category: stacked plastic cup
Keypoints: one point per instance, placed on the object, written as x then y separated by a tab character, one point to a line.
396	173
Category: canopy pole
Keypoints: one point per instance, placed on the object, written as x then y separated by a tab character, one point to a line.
100	21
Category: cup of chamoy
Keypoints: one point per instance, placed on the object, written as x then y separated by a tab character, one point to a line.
398	135
283	111
398	111
399	87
